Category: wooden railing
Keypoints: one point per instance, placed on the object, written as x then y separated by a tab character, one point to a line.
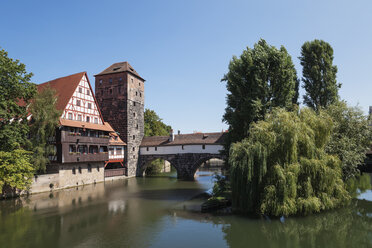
115	172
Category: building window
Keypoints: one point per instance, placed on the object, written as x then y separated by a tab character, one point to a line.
118	151
140	94
134	156
133	149
72	148
139	83
100	81
110	91
97	168
70	116
80	90
88	92
134	103
156	148
79	117
111	151
134	136
103	149
131	80
101	92
89	105
83	149
79	170
134	114
93	149
88	119
77	102
137	126
95	120
203	147
110	80
73	171
183	147
136	93
147	148
89	168
120	79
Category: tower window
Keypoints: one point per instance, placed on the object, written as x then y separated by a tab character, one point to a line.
147	148
120	79
137	126
183	147
100	81
134	136
133	149
134	114
110	80
134	103
139	84
88	119
140	94
203	147
111	91
70	116
156	148
136	93
78	102
80	90
131	80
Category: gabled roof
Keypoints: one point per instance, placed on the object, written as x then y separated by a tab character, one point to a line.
120	67
186	139
115	139
64	87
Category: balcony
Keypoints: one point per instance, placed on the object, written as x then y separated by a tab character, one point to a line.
73	157
69	137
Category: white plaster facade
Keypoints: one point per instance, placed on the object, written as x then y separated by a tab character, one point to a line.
180	149
116	152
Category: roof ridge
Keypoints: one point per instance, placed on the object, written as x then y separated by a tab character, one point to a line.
83	72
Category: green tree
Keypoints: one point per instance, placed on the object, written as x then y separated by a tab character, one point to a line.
154	125
16	171
282	168
16	91
351	137
319	74
260	79
43	124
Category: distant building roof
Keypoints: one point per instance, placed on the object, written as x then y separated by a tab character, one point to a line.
185	139
120	67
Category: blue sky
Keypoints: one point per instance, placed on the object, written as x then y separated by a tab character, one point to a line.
183	48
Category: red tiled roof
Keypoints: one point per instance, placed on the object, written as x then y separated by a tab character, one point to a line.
185	139
81	124
64	87
115	140
120	67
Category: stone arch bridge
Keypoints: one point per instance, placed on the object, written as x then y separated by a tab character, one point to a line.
185	152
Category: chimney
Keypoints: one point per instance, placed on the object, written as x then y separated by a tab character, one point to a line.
171	136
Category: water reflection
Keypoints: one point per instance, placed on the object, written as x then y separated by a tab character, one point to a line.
150	212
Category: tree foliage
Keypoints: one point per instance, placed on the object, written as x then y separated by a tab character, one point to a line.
351	137
43	125
16	91
283	168
319	74
16	171
154	125
260	79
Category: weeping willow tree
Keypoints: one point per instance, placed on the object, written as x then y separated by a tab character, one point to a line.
282	167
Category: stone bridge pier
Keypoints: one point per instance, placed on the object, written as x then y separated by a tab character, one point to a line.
186	164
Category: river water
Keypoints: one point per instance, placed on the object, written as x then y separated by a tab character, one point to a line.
158	212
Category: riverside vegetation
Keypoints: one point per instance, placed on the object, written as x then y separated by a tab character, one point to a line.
284	160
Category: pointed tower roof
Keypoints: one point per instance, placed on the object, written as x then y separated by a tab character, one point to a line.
120	67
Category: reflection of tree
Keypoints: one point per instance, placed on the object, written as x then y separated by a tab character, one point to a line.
347	227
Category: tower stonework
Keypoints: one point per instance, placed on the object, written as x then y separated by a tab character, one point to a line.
120	95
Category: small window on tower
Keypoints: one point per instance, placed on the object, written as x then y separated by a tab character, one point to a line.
137	126
77	102
140	94
110	91
139	84
88	119
134	136
80	90
100	81
89	105
136	93
133	148
110	80
131	80
120	79
134	114
70	116
134	103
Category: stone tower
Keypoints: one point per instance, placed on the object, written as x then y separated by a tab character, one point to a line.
120	95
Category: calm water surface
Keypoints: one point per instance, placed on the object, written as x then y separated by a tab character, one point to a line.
158	212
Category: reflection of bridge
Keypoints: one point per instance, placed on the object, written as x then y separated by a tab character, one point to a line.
185	152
